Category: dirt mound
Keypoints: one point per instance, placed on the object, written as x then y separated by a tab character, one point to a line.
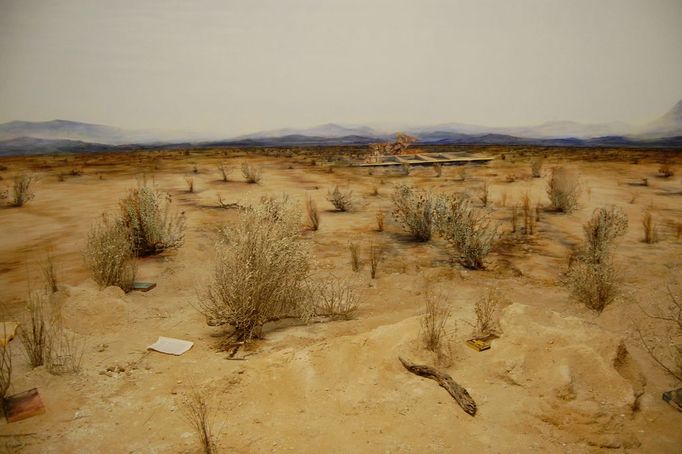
585	379
89	311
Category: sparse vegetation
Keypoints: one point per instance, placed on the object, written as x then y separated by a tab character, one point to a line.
375	256
354	256
596	285
486	309
5	367
601	230
536	167
563	190
262	272
666	170
65	351
380	221
109	253
312	213
336	300
21	189
650	228
49	270
469	231
434	321
190	184
484	194
251	173
414	210
341	200
198	412
151	224
225	171
35	332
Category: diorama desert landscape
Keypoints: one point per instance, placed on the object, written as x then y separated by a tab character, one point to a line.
558	377
341	226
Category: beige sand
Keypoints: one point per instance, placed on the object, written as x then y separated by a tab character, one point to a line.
560	378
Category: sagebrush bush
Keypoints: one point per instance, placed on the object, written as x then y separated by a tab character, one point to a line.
650	228
563	190
354	256
335	299
312	213
251	173
109	254
21	189
601	230
414	210
225	171
434	321
341	200
470	231
536	167
596	285
200	414
5	367
486	311
262	271
35	332
153	226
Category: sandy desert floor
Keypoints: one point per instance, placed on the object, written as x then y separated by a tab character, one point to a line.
559	379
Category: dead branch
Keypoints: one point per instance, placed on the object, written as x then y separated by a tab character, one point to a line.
444	380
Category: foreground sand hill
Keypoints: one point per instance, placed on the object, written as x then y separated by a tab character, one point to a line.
559	379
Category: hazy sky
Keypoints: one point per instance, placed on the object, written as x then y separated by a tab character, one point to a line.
244	65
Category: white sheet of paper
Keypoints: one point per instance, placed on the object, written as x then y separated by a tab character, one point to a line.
171	346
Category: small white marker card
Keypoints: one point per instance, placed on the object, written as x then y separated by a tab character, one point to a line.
171	346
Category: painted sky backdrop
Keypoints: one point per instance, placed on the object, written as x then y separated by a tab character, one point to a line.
235	67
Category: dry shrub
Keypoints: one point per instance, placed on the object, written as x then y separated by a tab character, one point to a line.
153	227
414	210
486	310
434	321
514	217
109	254
65	351
601	230
312	213
21	189
5	367
528	215
563	190
35	332
50	273
252	174
596	285
536	167
666	170
335	299
469	231
375	256
484	194
190	184
225	171
650	228
201	416
354	257
380	221
341	200
262	272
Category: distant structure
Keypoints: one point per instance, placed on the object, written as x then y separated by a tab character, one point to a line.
400	146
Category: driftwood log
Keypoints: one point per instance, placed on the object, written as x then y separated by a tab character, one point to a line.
458	392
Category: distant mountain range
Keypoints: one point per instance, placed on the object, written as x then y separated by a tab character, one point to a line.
23	137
